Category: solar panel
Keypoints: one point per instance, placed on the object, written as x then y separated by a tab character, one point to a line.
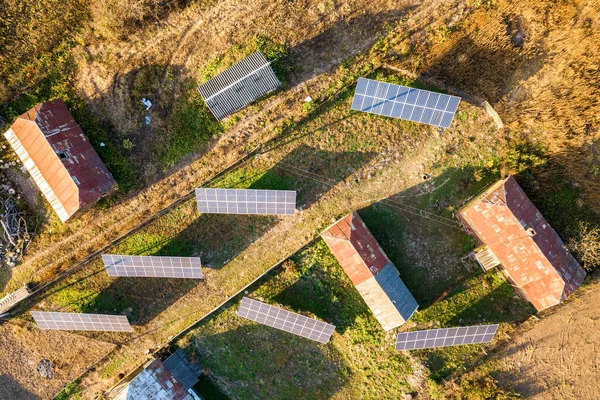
152	266
445	337
239	85
285	320
402	102
246	201
81	322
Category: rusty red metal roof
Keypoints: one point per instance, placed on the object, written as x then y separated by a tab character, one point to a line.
86	178
370	270
532	254
356	248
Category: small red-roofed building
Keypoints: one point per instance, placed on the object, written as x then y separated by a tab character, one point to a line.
531	254
370	270
59	158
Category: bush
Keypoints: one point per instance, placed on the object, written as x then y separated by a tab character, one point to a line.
586	245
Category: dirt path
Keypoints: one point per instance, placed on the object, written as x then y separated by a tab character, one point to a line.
558	358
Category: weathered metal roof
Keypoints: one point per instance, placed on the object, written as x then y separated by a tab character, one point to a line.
531	253
59	158
155	382
370	270
239	85
182	369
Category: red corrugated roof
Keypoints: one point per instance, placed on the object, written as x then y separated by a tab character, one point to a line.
531	252
53	123
356	248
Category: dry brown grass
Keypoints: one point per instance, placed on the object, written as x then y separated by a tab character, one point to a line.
537	63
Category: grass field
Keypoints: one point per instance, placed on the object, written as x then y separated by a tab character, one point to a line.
252	361
338	160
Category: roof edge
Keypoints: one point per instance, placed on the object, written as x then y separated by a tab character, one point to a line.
334	224
37	175
483	194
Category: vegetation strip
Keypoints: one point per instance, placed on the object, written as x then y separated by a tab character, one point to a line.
222	304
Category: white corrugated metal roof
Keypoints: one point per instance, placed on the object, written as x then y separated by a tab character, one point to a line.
239	85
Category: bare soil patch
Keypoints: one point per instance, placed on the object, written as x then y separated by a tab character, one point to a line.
558	357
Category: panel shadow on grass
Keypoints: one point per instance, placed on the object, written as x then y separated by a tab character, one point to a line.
11	389
487	71
312	172
219	238
342	40
262	362
417	231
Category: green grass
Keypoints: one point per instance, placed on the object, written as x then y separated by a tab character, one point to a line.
252	361
73	391
487	298
277	365
191	126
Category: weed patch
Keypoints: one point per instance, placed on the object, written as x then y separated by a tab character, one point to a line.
73	391
191	126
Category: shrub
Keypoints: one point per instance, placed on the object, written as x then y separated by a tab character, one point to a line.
586	245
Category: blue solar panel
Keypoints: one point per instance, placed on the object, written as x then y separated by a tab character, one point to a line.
401	102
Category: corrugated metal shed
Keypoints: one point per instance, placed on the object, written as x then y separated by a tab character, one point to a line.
370	270
182	369
59	157
238	86
531	253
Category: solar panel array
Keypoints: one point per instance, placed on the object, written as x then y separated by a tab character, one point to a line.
285	320
153	266
402	102
246	201
445	337
239	85
81	322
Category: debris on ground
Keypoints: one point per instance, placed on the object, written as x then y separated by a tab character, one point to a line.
46	369
147	103
15	235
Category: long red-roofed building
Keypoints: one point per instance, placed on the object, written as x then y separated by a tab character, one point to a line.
370	270
59	158
531	254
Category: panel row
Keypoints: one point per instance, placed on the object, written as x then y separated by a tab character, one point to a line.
285	320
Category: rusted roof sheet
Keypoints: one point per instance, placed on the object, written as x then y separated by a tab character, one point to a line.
60	158
532	254
360	254
370	270
154	383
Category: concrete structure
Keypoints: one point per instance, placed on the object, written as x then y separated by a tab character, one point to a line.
59	157
370	270
171	380
530	252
